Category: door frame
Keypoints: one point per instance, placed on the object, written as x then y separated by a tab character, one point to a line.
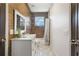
70	31
6	30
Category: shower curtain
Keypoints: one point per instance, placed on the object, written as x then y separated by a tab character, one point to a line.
46	32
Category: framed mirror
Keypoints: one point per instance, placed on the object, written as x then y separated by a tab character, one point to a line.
19	23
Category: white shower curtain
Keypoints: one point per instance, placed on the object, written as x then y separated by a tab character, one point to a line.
46	32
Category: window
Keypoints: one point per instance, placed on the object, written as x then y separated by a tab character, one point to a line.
39	21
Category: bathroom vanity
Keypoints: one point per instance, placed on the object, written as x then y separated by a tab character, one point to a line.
22	46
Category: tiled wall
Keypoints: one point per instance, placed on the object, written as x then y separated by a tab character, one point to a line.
36	30
20	7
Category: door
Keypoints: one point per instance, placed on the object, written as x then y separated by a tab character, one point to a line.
75	29
2	29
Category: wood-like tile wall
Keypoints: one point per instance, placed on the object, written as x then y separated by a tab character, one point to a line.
22	8
36	30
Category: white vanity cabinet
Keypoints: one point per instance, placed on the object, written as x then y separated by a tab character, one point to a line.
22	47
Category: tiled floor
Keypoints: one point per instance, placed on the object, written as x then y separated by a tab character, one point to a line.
40	49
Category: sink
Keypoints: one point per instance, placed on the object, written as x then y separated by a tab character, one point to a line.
28	36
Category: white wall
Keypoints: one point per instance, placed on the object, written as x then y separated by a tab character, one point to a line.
60	29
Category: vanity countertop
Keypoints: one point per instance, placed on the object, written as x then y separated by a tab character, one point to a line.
21	39
26	37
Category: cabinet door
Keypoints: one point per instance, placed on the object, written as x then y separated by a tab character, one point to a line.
21	48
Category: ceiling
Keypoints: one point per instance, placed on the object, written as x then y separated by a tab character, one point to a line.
39	7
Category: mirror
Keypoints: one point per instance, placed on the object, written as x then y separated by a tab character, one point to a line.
19	23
